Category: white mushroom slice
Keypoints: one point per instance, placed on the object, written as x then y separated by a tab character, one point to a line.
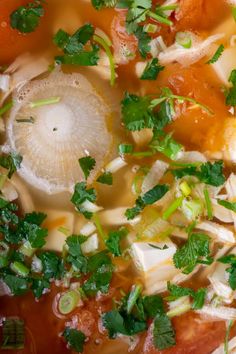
154	176
188	56
156	265
61	133
221	233
220	312
55	220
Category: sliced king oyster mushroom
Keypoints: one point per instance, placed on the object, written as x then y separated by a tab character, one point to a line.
51	138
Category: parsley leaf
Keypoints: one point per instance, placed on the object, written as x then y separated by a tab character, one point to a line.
11	162
75	255
195	250
113	241
165	144
87	164
152	69
81	194
26	18
100	4
53	267
18	286
106	178
177	291
231	94
75	52
209	173
228	205
217	54
230	259
75	339
148	198
163	332
136	112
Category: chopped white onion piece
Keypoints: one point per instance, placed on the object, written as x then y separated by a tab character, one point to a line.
230	187
116	217
91	207
189	56
179	306
191	156
91	244
157	46
157	227
115	165
4	289
139	68
220	232
88	229
219	282
154	176
9	192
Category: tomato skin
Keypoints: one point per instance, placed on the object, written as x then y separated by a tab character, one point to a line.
192	336
12	42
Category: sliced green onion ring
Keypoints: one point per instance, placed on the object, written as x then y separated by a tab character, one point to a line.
68	302
184	39
20	269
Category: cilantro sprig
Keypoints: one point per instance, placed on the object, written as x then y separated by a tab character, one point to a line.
177	291
27	18
87	164
231	260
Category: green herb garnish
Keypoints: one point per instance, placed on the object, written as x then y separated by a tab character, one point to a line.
217	55
75	339
87	164
27	18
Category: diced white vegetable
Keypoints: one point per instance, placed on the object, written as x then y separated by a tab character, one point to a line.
116	217
225	64
230	187
9	192
91	244
91	207
220	232
4	82
157	45
219	282
56	219
154	176
147	257
155	265
142	137
231	347
115	165
198	50
88	229
220	312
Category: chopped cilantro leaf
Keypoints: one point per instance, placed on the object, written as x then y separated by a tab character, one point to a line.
100	4
81	194
148	198
177	291
230	259
209	173
113	241
83	58
228	205
26	18
195	250
106	178
75	339
87	164
153	304
11	162
75	255
165	144
36	218
18	286
33	233
163	332
53	267
39	285
136	112
217	54
231	94
152	69
143	41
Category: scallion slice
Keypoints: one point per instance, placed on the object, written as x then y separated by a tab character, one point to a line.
172	208
185	189
20	269
184	39
125	148
68	302
208	204
26	249
44	102
133	296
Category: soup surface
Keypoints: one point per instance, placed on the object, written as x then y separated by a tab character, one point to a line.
117	176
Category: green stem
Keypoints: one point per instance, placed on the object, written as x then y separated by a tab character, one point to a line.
159	18
208	204
172	208
44	102
99	227
105	46
6	107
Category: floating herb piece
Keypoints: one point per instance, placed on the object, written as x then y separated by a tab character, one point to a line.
27	18
217	54
87	164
